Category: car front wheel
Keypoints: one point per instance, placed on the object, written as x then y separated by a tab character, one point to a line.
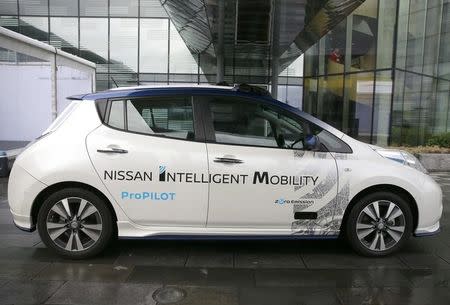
75	223
379	224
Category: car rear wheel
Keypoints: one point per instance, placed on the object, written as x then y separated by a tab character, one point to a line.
75	223
379	224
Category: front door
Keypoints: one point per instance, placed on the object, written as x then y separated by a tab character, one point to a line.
262	178
146	158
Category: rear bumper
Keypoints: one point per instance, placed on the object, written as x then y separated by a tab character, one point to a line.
23	222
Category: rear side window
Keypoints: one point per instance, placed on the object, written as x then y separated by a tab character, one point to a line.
161	116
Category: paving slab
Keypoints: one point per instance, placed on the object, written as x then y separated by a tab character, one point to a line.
18	270
350	261
28	292
210	259
192	276
84	272
288	296
268	260
104	293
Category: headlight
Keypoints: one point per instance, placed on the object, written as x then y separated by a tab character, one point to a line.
402	157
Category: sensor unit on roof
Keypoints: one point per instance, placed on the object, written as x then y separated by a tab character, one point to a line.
251	89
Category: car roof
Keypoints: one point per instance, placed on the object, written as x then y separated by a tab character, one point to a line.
142	91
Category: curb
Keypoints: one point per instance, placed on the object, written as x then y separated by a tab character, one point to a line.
435	162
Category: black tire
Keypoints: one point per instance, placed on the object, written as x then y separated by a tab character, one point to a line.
95	247
362	247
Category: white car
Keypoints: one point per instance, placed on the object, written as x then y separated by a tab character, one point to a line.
213	161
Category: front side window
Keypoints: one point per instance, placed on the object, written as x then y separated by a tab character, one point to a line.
162	116
238	121
242	122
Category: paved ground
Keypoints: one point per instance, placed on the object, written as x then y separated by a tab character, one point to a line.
258	272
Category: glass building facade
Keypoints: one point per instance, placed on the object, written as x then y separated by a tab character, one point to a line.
377	69
383	74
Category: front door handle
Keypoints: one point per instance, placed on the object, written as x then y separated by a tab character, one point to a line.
113	150
228	160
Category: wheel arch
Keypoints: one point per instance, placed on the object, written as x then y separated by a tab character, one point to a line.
382	188
40	198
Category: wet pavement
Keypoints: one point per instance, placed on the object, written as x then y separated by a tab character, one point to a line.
225	272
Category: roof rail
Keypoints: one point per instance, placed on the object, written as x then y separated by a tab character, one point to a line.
251	89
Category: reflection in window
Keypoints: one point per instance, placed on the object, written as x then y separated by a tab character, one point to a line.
181	59
93	7
8	7
63	8
116	115
166	116
64	33
123	8
35	27
382	108
152	8
364	36
35	7
123	45
239	122
94	41
154	46
359	91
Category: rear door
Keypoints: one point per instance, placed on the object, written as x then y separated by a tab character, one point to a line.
146	155
261	176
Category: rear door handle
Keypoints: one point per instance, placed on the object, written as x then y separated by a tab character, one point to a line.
228	160
113	150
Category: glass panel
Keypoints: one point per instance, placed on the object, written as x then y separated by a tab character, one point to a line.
123	45
122	80
94	41
310	101
411	109
382	108
427	108
64	33
8	7
330	100
11	23
416	33
123	8
35	27
432	31
359	91
442	107
332	51
152	8
63	8
101	81
93	7
386	22
116	115
35	7
364	36
402	33
165	116
154	37
397	109
444	53
181	59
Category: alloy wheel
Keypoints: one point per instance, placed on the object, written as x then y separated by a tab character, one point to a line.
74	224
380	225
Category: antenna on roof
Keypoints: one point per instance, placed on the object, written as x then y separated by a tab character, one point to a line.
114	82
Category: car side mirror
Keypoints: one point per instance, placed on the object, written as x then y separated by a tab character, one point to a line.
312	142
